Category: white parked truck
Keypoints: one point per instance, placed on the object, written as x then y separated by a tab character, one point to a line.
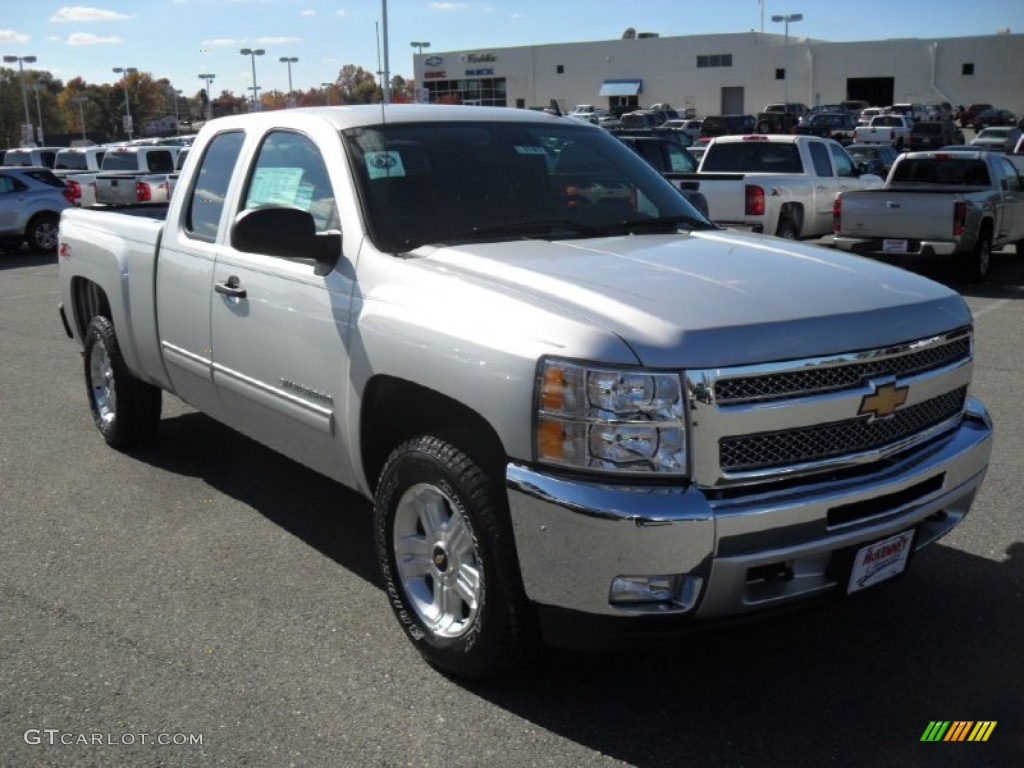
575	403
775	184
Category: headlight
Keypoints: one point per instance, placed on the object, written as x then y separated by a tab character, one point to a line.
610	419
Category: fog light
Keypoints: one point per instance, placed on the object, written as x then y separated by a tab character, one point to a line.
675	592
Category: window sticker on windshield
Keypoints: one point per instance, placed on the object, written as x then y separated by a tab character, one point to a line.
384	165
526	150
274	186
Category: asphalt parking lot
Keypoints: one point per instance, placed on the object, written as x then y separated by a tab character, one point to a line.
211	594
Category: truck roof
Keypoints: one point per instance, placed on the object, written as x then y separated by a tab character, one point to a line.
344	117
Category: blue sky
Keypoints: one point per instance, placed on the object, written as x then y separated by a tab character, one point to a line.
179	39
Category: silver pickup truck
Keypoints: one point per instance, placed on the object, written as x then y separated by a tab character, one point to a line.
576	404
956	205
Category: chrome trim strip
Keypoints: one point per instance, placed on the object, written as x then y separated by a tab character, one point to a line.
188	361
310	414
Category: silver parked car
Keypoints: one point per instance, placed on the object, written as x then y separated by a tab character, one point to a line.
997	139
31	199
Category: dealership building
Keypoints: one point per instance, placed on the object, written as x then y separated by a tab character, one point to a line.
729	73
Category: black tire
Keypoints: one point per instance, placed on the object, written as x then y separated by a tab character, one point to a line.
976	265
1019	247
787	228
764	127
126	410
41	232
457	591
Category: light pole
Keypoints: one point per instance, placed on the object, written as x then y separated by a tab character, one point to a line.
22	60
127	108
208	78
289	60
252	54
786	19
80	101
421	46
328	87
177	125
37	87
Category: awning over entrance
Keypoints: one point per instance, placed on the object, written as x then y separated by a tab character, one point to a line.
620	88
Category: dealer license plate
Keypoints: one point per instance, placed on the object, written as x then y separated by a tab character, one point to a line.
880	561
894	246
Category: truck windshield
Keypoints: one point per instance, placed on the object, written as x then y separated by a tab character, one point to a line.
457	182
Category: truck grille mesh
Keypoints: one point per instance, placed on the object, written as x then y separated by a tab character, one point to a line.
834	378
810	444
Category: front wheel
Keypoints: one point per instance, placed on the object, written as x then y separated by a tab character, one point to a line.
125	409
446	551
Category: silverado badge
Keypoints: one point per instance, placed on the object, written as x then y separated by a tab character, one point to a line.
883	401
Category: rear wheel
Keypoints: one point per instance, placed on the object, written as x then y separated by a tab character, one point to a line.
125	409
787	228
41	232
447	555
976	265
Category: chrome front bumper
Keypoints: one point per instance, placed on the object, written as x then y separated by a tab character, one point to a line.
747	548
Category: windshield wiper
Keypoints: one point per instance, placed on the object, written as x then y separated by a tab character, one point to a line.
525	230
660	223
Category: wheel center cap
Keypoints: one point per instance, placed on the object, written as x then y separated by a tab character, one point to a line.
440	558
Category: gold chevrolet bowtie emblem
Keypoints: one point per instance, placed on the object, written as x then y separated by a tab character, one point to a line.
883	401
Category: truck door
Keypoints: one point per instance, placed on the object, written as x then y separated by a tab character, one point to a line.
1011	220
185	276
824	191
279	330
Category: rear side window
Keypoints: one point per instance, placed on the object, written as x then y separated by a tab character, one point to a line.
47	177
160	162
210	186
819	156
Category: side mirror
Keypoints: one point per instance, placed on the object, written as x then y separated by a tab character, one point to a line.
278	230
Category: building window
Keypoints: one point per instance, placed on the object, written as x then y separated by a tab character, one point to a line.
968	68
714	60
560	69
780	74
520	103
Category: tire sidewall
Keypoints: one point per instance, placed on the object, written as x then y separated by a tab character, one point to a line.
470	654
38	222
100	333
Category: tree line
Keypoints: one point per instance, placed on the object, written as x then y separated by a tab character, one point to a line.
78	109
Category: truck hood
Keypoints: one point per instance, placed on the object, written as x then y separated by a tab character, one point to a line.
716	298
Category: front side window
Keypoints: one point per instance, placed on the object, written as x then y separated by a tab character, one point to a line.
290	171
843	163
446	183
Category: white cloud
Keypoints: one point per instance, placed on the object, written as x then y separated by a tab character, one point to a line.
447	6
10	36
277	40
342	12
85	38
308	13
218	42
81	13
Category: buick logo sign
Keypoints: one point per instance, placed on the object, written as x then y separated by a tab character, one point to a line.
434	61
383	160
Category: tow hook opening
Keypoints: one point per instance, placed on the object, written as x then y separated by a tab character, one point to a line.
770	572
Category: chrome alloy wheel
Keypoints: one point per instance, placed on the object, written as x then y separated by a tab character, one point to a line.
101	379
438	562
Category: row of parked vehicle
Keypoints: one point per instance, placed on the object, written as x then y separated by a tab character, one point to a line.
37	183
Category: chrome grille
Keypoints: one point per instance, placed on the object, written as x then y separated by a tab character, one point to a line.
799	446
837	377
